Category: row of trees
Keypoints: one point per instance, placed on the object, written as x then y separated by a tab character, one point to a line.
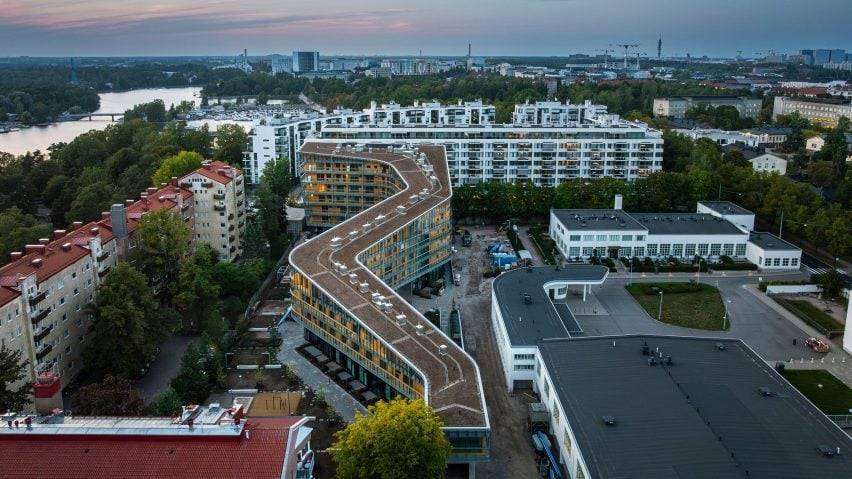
36	104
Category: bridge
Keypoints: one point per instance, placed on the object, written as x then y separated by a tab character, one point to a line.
89	116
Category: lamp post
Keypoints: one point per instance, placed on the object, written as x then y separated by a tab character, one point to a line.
660	314
630	280
725	317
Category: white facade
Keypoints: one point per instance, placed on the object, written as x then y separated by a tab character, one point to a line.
814	144
823	113
771	253
769	163
676	107
219	207
722	137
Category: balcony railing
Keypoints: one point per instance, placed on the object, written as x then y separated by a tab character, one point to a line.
232	238
37	298
207	183
44	352
240	203
40	316
231	228
219	196
230	216
103	272
219	207
233	248
103	256
43	333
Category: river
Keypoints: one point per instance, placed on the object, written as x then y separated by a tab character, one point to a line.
40	137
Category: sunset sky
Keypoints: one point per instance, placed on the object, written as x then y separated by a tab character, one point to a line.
402	27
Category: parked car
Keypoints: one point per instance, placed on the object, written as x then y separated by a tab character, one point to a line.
818	345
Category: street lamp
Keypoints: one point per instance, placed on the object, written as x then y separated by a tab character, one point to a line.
660	315
725	317
630	281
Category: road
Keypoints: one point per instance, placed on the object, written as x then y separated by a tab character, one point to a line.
165	367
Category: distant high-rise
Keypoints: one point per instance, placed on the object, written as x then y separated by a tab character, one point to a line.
305	62
660	47
73	73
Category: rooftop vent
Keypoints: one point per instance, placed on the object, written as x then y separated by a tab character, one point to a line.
828	451
36	263
380	219
366	228
669	360
442	350
66	247
400	319
652	361
609	420
764	391
646	350
424	193
353	234
721	346
336	243
387	307
413	199
420	330
377	298
364	287
527	298
344	270
353	278
400	209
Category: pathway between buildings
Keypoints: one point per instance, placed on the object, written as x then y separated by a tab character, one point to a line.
292	335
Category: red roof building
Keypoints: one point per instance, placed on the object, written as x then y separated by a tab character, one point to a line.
146	448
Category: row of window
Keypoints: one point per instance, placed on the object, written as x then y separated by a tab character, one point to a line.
779	262
606	237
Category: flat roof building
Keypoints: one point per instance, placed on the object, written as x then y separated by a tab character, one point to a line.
825	112
675	407
676	107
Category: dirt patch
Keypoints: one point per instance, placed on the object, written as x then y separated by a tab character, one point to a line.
275	404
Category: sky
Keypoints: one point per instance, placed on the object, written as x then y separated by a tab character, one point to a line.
406	27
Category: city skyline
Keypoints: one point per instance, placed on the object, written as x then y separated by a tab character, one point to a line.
382	27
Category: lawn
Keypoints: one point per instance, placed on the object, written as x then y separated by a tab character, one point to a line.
545	245
833	397
815	314
690	305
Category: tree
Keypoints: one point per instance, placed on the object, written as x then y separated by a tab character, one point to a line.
231	140
114	396
18	229
821	173
162	245
166	403
400	439
125	317
178	165
735	157
271	198
196	292
12	370
202	368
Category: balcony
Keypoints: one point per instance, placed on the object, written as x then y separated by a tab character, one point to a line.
207	183
37	298
232	238
230	216
219	196
231	228
44	352
219	207
43	333
240	203
239	192
186	184
233	248
103	272
40	316
103	256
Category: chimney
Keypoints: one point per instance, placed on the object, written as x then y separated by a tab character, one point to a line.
104	215
619	200
44	241
151	190
16	255
76	225
59	234
207	165
118	215
36	263
48	393
174	181
128	203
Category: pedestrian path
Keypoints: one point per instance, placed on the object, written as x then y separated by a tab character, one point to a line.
292	335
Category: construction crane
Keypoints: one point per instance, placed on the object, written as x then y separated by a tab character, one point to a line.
739	54
606	53
637	58
625	46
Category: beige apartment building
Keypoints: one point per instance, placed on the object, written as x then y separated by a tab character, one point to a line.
220	207
676	107
822	112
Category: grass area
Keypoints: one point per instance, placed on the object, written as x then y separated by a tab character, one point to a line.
833	397
800	306
546	246
690	305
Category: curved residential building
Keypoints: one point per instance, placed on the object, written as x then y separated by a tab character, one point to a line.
345	280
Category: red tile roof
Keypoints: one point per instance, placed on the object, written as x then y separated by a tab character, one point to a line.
218	171
146	456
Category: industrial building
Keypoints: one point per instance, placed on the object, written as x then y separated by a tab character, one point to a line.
304	62
546	143
718	228
345	283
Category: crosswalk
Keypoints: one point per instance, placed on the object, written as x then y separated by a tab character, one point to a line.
817	269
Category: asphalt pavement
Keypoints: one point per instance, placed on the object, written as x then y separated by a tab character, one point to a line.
165	366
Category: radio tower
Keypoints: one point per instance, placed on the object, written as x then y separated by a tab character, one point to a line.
73	73
660	47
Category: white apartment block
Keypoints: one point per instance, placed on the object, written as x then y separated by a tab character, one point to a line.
547	142
220	208
722	137
719	228
825	113
676	107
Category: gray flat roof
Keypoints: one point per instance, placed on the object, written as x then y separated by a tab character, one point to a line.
686	224
701	417
770	242
597	220
528	323
726	208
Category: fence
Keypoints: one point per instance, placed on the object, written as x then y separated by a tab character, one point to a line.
792	288
842	420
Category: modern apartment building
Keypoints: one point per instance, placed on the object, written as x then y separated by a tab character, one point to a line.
345	283
547	142
220	210
305	62
718	228
45	288
825	112
676	107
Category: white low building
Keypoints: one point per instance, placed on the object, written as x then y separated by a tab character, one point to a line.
769	163
719	228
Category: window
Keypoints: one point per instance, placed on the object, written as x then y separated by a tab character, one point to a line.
741	249
546	389
785	262
677	250
61	284
776	262
62	300
626	251
640	237
715	249
639	251
588	237
574	238
665	249
794	261
728	249
524	367
601	238
626	237
65	334
767	262
652	249
587	251
524	357
555	413
76	291
614	237
703	248
574	251
68	350
566	442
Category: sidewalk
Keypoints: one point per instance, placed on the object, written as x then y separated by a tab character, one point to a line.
292	335
837	362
